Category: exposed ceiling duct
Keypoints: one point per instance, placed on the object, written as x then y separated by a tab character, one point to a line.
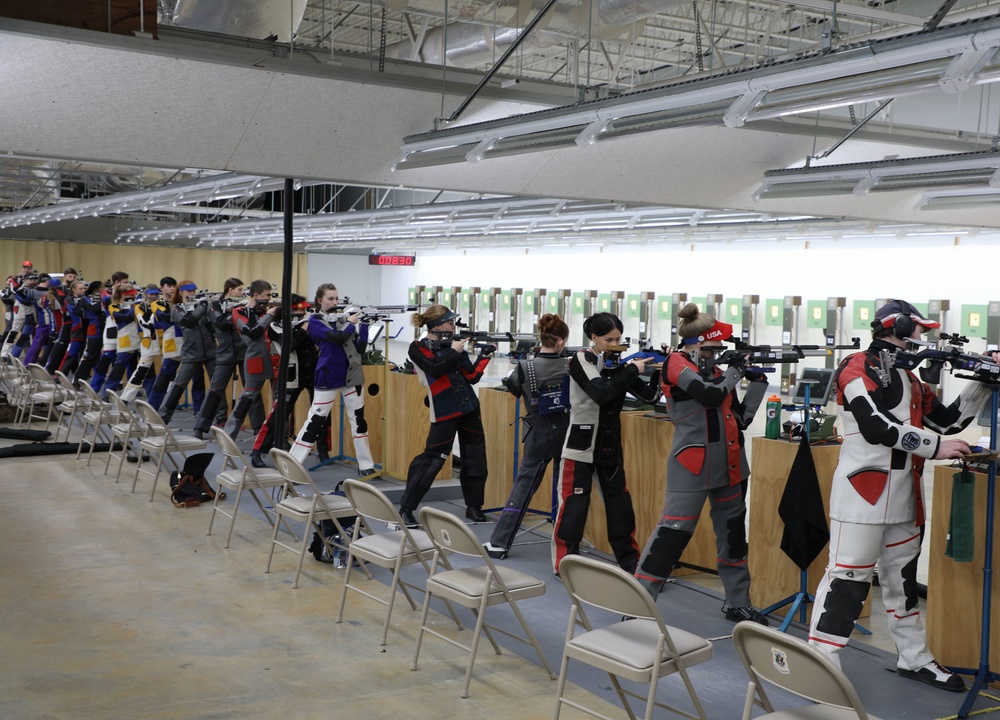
951	59
242	18
489	27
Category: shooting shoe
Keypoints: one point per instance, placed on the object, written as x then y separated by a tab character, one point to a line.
745	613
935	676
475	514
497	553
257	460
408	519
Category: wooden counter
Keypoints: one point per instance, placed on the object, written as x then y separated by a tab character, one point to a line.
954	589
646	443
774	576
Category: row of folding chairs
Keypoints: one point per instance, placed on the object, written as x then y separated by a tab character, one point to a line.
643	649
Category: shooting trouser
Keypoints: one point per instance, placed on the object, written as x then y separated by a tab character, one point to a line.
104	363
92	352
543	441
681	511
13	334
58	351
188	372
36	350
144	375
71	359
840	597
440	440
168	371
318	421
124	361
248	398
215	408
575	482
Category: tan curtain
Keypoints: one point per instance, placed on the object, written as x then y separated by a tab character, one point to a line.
207	267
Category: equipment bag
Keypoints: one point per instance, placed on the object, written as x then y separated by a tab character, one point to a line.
188	486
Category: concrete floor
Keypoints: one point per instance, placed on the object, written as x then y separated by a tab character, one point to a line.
115	607
118	607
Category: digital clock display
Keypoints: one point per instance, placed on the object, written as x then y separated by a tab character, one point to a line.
398	260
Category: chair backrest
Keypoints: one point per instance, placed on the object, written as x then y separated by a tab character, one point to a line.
452	535
371	502
120	407
228	446
39	374
606	586
65	383
295	474
150	418
794	665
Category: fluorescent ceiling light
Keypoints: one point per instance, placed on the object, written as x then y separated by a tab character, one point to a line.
951	58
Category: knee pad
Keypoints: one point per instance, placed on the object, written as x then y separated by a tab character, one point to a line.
909	574
314	427
359	418
844	602
573	517
424	469
665	551
620	514
736	536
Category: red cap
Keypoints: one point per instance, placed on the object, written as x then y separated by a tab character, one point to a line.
720	331
26	263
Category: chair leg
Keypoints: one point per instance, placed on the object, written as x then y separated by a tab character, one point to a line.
126	442
274	541
159	465
302	552
480	619
561	686
232	517
420	629
531	639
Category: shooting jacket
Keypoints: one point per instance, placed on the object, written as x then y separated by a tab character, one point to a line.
127	328
887	428
448	376
340	348
196	329
596	398
229	348
709	420
251	323
170	340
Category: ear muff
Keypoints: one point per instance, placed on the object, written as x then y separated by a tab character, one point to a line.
903	327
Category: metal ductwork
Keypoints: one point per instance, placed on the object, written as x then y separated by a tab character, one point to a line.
488	27
242	18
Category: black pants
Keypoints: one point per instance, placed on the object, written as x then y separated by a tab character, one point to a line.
543	441
440	439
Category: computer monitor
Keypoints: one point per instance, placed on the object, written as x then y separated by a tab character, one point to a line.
819	391
984	415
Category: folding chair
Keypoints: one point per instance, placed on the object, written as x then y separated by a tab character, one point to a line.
310	509
125	427
160	441
794	665
641	650
74	402
476	587
238	476
42	392
101	414
391	550
18	383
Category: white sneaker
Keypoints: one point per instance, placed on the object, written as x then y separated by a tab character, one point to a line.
936	676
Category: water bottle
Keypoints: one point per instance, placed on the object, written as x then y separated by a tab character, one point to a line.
772	429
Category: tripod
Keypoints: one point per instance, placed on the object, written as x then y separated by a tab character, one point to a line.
983	675
802	598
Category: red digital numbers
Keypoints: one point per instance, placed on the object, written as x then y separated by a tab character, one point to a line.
401	260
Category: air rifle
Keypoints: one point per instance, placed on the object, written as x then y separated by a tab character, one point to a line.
485	342
972	366
763	357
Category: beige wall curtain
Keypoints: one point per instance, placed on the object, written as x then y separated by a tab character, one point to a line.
147	264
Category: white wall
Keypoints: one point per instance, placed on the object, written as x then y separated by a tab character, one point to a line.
917	268
351	274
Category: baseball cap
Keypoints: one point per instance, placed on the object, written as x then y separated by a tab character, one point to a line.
26	263
885	316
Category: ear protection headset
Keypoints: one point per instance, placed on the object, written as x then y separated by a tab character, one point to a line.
901	323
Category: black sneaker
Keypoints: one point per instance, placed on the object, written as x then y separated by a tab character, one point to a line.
368	473
257	460
475	514
323	455
408	519
199	434
936	676
745	613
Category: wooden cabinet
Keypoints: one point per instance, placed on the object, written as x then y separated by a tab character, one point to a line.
955	589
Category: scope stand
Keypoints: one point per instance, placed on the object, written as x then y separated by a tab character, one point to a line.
982	675
801	599
342	456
